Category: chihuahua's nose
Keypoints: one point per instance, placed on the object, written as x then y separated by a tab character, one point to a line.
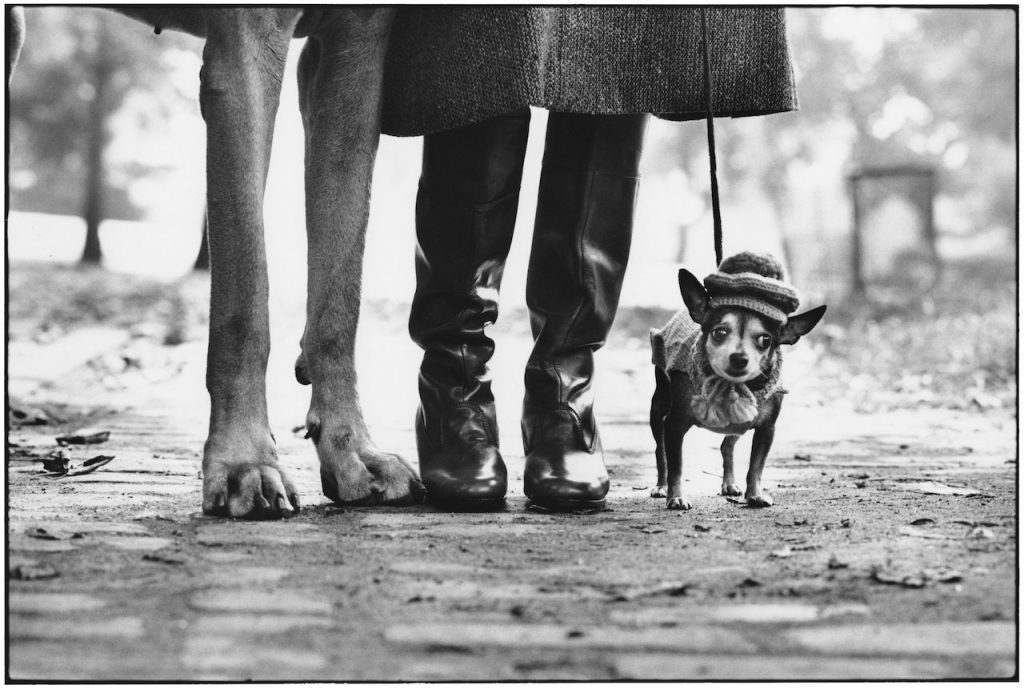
738	360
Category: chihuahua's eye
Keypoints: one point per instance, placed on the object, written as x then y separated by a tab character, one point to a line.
719	334
763	341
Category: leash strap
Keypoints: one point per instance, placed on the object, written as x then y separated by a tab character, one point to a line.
716	209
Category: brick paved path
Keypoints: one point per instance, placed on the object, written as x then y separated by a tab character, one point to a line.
854	574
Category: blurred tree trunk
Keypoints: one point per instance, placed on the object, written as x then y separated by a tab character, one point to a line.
203	259
96	140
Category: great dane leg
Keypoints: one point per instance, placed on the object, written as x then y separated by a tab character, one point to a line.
341	78
243	63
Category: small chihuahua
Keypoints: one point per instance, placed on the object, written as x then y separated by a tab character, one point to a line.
717	366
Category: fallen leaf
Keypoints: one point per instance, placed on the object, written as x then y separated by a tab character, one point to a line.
802	457
944	576
985	401
163	559
668	588
935	488
749	582
421	599
33	572
922	520
993	615
28	416
905	580
86	467
85	436
701	528
651	530
781	553
42	534
835	563
56	462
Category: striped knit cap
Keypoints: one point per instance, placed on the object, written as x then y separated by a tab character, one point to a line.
755	282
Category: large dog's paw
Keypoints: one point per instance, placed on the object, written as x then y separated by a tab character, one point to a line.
659	491
353	472
731	489
679	503
370	478
759	499
250	491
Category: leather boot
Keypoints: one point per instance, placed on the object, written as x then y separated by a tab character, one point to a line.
465	217
580	248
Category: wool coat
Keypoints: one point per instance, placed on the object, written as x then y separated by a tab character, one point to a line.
454	65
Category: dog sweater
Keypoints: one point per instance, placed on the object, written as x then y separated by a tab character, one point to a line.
717	404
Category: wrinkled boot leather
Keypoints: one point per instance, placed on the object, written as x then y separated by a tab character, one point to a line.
577	263
465	217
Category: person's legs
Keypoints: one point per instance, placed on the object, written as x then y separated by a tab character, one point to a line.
465	217
581	243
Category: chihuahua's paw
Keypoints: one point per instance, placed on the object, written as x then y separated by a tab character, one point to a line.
679	504
760	500
731	489
659	492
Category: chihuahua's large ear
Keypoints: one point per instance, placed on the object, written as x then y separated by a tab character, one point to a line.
694	295
800	325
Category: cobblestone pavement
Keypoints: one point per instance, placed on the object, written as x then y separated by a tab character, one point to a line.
890	552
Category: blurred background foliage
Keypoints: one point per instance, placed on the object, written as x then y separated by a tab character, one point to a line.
879	88
91	86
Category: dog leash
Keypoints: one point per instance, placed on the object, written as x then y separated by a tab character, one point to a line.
716	210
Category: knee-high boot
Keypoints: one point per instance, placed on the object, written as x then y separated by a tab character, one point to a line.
580	248
465	217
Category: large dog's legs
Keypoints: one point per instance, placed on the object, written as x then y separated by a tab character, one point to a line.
243	63
340	84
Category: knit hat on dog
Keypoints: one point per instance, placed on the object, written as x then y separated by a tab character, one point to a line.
755	282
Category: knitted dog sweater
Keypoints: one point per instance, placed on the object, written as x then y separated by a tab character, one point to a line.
717	404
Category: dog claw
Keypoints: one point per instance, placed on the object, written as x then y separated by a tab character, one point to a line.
679	504
284	508
731	489
761	500
313	431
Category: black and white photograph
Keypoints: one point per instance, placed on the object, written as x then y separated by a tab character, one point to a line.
511	343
